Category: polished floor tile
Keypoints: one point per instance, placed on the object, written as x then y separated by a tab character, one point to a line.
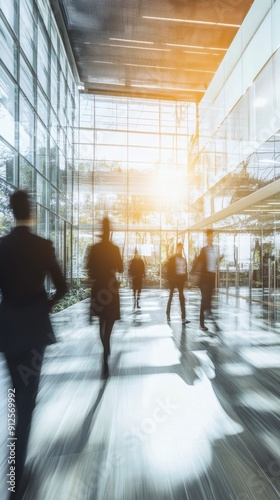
183	414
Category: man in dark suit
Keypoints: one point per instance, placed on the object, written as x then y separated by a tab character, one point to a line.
177	275
137	272
25	327
206	265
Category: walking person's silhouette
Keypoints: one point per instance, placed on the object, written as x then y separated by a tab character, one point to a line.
25	327
177	275
205	265
104	260
137	272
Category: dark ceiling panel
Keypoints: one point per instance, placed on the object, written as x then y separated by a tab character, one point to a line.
162	48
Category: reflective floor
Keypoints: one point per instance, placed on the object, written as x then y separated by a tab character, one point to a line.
183	415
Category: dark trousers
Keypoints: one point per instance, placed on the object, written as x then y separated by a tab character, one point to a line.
137	288
105	330
206	287
179	284
25	372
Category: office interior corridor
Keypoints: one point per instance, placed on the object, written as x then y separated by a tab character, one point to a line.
183	415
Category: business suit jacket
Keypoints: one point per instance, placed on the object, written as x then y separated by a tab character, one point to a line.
201	261
171	270
137	268
25	260
103	261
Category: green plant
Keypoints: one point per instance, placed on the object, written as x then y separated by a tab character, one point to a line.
75	294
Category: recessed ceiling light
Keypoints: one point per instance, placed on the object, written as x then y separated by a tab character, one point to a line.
135	65
133	47
198	52
190	21
165	88
130	41
199	70
194	46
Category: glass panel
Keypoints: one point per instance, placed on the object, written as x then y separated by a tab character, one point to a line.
7	107
26	80
54	80
149	155
45	11
42	106
41	185
62	206
142	139
68	251
264	103
26	175
62	172
111	153
28	40
86	136
110	113
62	100
110	138
54	199
42	221
9	11
41	148
54	35
53	126
6	216
43	58
53	176
87	111
63	60
276	67
8	49
26	129
69	106
7	163
86	152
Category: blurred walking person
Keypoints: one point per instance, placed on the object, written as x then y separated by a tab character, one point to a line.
177	275
137	273
205	266
104	260
25	327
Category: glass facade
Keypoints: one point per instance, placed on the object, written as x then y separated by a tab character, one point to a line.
236	154
38	116
133	168
158	169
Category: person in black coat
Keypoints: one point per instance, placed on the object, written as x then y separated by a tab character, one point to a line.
177	275
25	327
137	272
104	259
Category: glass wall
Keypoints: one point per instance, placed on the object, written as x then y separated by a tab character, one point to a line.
133	168
38	113
237	154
